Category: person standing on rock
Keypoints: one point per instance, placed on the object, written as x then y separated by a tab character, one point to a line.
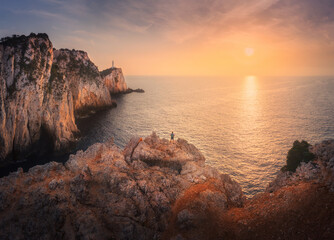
172	137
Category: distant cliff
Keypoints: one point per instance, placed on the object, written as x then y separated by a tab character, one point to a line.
114	80
41	91
85	82
157	189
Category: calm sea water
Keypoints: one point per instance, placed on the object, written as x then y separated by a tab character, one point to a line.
243	126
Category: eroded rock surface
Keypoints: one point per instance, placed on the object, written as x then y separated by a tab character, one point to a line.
42	90
25	69
295	206
114	80
321	170
156	189
85	83
109	193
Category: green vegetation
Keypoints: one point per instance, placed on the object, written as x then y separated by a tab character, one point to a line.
62	57
88	72
43	47
42	62
84	71
11	89
19	46
55	75
106	72
19	39
29	67
297	154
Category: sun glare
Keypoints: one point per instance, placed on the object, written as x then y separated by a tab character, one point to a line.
249	51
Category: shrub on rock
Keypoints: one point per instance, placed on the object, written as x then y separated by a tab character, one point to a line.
297	154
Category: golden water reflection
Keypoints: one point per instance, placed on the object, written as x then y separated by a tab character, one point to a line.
251	133
250	97
250	87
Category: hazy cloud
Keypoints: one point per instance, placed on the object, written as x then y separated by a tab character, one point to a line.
187	19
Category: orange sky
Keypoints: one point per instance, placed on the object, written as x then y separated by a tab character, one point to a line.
186	37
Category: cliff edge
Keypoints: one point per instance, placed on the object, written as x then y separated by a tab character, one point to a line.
114	80
42	90
155	189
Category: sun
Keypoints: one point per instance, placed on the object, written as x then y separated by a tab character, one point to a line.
249	51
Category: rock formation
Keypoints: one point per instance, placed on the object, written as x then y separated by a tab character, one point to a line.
114	80
26	64
41	91
106	193
85	83
321	170
155	189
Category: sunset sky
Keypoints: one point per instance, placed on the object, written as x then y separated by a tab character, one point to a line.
186	37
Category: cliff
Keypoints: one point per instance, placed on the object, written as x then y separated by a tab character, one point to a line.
27	108
85	83
155	189
42	90
114	80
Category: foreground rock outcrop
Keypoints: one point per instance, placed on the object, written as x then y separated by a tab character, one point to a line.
320	170
107	193
42	90
155	189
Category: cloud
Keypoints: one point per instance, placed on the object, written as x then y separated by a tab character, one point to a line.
43	13
189	19
183	20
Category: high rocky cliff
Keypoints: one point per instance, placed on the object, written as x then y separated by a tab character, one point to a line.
85	83
114	80
41	91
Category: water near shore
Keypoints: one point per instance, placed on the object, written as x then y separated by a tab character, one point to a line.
243	126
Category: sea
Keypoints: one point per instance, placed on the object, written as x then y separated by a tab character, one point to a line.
244	126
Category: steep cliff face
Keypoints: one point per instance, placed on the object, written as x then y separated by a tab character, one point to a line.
85	83
114	80
41	91
25	70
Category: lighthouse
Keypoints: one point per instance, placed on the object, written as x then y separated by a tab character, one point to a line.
113	64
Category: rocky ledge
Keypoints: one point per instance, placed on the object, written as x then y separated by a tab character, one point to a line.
137	90
156	189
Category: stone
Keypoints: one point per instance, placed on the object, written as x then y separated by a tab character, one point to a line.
99	195
185	219
319	170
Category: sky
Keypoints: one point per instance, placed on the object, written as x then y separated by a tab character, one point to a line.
186	37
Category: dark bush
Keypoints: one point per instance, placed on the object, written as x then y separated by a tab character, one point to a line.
297	154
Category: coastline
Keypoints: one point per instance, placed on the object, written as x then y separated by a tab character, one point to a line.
161	190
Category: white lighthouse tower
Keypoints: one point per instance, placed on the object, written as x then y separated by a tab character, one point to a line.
113	64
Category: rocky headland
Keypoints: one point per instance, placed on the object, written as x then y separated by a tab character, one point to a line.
157	189
43	90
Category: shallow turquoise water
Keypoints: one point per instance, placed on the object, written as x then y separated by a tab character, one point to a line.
244	126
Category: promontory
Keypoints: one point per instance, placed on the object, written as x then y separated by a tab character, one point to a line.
43	89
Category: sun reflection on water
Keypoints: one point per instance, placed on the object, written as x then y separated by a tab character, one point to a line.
250	87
